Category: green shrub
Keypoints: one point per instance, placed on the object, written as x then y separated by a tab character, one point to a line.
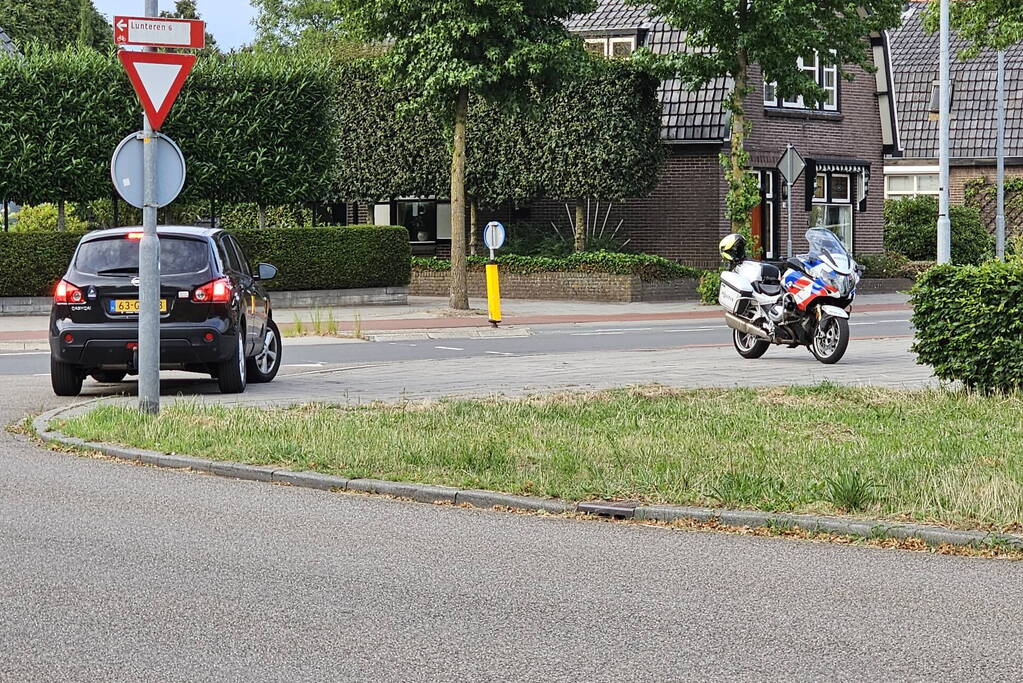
710	285
969	323
43	218
31	263
887	265
911	229
308	258
348	257
647	267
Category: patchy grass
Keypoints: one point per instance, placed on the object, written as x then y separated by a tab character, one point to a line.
931	456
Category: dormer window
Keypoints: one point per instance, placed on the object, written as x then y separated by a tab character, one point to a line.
825	76
619	47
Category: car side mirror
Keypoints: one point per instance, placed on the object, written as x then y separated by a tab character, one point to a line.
264	271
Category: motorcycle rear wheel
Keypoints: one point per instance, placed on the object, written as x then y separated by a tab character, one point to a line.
830	340
748	345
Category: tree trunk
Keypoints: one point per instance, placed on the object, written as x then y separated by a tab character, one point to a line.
474	226
261	210
60	216
738	171
459	294
580	226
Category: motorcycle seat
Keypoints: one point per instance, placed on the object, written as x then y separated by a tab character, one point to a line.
767	288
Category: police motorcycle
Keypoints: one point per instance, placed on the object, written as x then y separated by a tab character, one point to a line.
807	306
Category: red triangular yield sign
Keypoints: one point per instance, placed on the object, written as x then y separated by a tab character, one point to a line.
157	78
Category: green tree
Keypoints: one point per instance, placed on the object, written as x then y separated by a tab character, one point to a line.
995	24
188	9
55	23
448	50
726	37
287	23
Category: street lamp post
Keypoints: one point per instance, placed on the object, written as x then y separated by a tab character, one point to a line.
944	223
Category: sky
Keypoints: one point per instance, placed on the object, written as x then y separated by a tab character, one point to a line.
228	20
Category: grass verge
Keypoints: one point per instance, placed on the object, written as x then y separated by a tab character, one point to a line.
933	456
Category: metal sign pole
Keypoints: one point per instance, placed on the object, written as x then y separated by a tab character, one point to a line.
149	270
788	201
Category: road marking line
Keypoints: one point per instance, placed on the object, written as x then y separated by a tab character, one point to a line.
626	329
699	329
449	348
594	334
304	365
500	353
6	354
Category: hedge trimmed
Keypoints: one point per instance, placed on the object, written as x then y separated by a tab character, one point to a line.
647	267
969	322
911	229
349	257
31	263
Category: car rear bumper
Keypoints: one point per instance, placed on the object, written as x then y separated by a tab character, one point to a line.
110	346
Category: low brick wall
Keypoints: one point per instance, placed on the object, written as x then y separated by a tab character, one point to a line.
561	286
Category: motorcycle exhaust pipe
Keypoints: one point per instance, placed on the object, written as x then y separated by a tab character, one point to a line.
744	326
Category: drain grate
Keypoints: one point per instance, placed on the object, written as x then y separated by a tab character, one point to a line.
619	509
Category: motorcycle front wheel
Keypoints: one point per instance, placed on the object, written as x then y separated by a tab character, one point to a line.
748	345
830	340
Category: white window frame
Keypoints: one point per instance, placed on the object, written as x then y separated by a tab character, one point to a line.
915	191
608	44
831	189
845	204
822	74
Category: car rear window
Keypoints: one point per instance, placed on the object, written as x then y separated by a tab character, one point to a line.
120	254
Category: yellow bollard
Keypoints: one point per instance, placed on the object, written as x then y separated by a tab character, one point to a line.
493	294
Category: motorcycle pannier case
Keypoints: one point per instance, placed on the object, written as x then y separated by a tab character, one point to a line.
734	288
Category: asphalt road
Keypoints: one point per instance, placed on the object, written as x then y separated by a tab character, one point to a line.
561	339
120	572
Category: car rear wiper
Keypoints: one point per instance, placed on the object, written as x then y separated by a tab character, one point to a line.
118	271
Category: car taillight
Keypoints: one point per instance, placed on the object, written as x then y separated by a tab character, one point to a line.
67	293
134	236
216	292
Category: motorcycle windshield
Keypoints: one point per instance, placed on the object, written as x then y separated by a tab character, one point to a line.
826	246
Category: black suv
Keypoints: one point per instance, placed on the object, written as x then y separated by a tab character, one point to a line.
215	313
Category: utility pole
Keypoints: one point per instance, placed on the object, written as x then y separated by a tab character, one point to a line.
149	269
944	223
1000	215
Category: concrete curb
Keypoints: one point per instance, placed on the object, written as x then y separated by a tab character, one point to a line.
427	493
450	333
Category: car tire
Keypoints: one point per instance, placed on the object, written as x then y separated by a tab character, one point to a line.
66	378
231	374
109	376
264	366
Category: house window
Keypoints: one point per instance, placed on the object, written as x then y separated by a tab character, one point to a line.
935	107
824	75
911	185
612	48
832	206
419	217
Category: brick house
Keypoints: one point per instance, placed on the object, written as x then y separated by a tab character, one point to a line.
915	55
843	142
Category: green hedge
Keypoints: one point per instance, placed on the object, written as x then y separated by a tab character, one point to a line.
349	257
31	263
308	258
911	229
969	322
649	268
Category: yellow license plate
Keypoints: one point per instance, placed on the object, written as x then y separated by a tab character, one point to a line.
131	306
